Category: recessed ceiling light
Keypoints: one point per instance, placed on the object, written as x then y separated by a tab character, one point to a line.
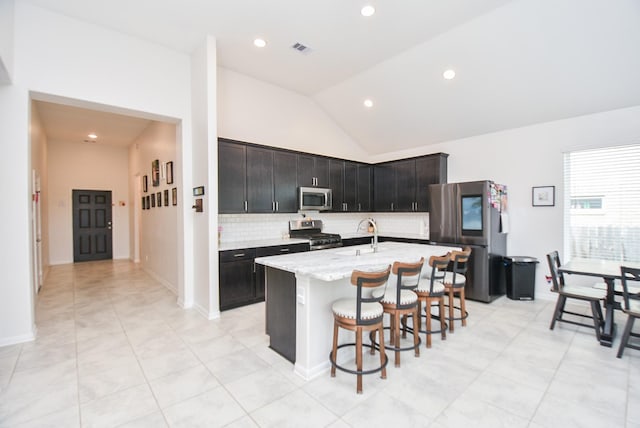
368	10
449	74
92	136
260	43
368	103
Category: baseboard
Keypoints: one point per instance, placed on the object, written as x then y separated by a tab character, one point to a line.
29	337
210	315
161	280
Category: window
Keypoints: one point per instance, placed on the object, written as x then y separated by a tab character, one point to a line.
584	203
602	203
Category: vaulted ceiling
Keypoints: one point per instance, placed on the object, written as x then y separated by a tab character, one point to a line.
517	62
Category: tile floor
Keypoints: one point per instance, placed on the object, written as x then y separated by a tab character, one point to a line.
113	349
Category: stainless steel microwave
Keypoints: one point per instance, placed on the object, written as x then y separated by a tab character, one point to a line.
314	199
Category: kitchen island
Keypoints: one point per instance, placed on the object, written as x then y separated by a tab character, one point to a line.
301	287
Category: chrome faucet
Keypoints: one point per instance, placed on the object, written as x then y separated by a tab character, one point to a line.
374	242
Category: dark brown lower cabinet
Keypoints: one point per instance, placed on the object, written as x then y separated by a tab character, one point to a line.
237	278
241	281
281	312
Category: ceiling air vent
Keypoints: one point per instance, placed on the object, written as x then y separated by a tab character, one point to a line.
301	48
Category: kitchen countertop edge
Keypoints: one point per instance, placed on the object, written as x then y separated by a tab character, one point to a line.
237	245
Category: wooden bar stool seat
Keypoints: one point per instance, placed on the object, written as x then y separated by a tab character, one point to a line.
363	313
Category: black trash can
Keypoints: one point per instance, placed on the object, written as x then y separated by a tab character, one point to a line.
520	275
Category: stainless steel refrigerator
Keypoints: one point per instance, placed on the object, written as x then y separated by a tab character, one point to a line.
473	214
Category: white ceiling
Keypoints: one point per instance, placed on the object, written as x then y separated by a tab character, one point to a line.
518	62
64	123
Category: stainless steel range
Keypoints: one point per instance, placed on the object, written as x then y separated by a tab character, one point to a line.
312	230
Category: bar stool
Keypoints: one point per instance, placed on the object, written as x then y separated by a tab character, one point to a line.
430	292
454	282
400	301
362	313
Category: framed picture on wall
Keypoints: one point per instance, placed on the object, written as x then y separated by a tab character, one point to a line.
145	184
169	172
174	196
144	205
155	172
159	197
166	197
544	196
147	201
153	200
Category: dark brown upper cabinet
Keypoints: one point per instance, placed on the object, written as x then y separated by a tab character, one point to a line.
313	171
402	186
261	179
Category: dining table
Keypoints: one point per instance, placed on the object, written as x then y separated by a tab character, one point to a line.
609	271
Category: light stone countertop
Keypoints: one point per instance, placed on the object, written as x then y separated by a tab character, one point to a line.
338	263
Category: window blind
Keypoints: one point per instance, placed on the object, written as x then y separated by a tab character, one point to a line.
602	203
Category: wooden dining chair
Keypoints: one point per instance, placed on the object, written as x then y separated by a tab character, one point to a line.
587	294
630	306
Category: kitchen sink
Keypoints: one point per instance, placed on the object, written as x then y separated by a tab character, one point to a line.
357	251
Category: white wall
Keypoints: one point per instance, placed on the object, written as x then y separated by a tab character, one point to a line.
533	156
16	301
85	166
158	231
125	75
6	40
205	173
262	113
39	158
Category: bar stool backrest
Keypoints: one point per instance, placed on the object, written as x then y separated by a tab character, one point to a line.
460	261
439	266
364	280
408	276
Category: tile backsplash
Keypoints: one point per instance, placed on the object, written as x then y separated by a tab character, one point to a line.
246	227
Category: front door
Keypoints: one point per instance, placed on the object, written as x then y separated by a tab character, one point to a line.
91	225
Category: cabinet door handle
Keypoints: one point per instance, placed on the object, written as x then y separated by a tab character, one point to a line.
359	206
239	255
277	206
246	206
284	250
391	206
